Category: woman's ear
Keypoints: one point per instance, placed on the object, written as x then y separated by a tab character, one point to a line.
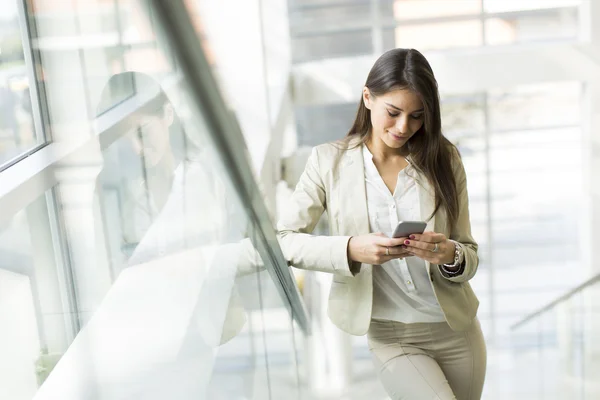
367	98
169	114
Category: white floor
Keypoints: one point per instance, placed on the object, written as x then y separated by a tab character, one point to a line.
510	375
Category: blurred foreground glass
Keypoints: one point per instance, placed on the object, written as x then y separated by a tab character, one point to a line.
152	229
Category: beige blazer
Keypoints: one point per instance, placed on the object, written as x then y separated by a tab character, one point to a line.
333	181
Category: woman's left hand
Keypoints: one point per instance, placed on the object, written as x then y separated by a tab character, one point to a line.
423	246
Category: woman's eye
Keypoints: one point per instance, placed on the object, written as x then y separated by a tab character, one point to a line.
417	116
392	115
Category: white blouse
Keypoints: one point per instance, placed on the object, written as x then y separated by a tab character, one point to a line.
402	290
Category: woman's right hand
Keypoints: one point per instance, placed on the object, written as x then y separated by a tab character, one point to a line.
375	248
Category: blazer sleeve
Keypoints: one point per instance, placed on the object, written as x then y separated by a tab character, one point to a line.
461	232
298	219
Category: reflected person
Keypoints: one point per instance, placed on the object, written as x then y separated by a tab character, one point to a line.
411	296
156	181
163	188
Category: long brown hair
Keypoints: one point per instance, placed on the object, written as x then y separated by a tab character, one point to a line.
430	151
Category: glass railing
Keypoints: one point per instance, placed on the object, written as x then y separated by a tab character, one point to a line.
556	349
137	257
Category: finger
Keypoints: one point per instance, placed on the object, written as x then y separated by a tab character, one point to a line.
397	251
414	244
385	251
429	237
423	254
390	242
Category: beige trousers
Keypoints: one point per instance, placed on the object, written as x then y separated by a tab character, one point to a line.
428	360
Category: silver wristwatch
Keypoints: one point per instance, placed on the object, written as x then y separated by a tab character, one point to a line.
459	256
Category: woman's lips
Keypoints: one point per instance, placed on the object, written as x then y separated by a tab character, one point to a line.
397	137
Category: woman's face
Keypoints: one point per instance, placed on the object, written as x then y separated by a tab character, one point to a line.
151	138
395	116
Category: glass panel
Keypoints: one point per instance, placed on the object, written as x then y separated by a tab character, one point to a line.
535	106
417	9
440	35
496	6
555	352
241	368
522	217
554	24
169	297
34	302
589	318
279	339
17	132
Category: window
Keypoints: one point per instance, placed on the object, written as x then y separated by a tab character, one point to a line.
18	134
516	143
35	315
427	24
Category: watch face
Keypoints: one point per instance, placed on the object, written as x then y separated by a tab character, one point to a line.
459	253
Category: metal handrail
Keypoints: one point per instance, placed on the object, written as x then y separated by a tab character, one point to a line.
206	101
589	282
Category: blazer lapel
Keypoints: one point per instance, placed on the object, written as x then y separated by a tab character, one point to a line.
352	191
426	201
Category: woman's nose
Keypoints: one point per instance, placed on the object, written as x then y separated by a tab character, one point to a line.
402	124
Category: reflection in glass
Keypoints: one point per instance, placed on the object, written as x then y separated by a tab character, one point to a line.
152	165
172	227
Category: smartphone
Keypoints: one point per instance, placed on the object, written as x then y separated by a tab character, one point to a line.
407	228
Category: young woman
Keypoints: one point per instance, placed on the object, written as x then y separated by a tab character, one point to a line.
410	295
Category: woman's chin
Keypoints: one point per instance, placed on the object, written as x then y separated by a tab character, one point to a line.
393	142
